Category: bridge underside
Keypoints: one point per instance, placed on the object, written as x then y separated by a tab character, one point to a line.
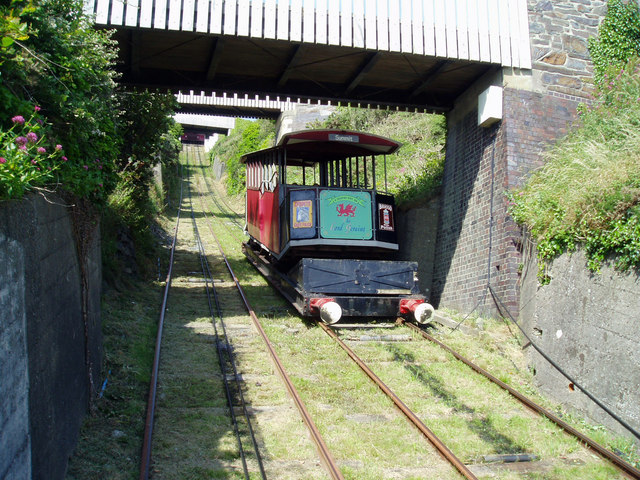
229	110
204	130
202	62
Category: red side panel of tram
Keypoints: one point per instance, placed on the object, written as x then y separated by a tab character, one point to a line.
263	218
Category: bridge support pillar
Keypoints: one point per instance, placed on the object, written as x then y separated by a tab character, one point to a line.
478	244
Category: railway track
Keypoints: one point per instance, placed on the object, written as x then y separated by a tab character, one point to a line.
465	467
191	399
226	365
624	468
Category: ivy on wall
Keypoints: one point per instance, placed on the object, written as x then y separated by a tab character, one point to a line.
618	38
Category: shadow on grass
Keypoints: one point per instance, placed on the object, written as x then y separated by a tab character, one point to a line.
479	423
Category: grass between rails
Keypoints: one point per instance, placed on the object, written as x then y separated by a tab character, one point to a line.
474	417
499	352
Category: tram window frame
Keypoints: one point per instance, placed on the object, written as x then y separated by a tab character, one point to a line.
269	176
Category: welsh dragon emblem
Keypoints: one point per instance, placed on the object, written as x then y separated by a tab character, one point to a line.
348	211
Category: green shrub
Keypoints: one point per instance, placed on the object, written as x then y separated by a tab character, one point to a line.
618	39
27	158
52	57
247	136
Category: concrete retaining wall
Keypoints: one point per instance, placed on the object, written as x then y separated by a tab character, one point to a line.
15	440
44	387
589	324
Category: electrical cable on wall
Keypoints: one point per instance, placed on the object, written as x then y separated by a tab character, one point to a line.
492	139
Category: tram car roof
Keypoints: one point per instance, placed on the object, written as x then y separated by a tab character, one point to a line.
325	145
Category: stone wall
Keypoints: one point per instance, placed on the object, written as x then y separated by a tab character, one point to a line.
44	381
588	324
559	31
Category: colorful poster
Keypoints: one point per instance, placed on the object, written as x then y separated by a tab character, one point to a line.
385	217
302	214
345	214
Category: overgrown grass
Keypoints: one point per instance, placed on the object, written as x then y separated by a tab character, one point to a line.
497	350
588	191
414	172
111	438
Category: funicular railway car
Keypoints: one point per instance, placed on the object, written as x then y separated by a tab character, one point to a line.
322	226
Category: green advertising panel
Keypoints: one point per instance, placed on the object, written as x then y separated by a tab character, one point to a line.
345	214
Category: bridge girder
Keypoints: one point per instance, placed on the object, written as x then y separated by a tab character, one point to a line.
179	61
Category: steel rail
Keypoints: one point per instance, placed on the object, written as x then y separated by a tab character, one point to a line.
145	458
602	451
208	278
325	455
413	418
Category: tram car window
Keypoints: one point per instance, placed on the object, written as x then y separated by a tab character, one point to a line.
319	216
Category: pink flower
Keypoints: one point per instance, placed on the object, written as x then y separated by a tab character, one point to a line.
42	150
18	119
33	162
58	147
36	108
64	159
21	141
32	137
85	167
3	160
23	148
100	167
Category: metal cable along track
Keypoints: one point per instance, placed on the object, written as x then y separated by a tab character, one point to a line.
208	278
323	450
